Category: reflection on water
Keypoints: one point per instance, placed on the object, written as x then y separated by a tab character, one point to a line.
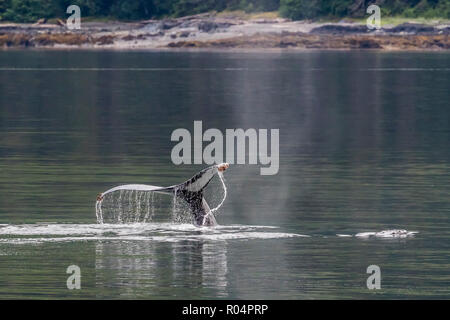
192	265
201	264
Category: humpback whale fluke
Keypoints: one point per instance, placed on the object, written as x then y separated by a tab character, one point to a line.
190	191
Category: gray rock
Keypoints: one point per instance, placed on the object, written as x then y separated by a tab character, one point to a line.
340	29
210	26
413	28
183	34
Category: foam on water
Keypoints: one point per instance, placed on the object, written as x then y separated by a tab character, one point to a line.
387	234
161	232
394	233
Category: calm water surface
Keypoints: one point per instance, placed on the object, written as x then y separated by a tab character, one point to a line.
364	146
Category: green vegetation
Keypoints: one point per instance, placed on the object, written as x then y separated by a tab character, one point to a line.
308	9
31	10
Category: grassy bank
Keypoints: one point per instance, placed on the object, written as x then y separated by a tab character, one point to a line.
396	20
271	15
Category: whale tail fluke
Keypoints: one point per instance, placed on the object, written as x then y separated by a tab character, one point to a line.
191	191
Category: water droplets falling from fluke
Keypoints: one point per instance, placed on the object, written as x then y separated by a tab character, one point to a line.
222	180
126	206
134	203
98	211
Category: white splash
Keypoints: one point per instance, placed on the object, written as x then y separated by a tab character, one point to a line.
161	232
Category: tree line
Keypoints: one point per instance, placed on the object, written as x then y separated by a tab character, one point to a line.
32	10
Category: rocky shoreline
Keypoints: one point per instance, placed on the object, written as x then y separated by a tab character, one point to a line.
213	32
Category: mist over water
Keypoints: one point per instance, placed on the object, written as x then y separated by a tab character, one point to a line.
363	148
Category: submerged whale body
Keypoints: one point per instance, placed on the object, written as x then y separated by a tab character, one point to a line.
190	191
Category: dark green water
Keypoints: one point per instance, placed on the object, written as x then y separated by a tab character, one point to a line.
364	146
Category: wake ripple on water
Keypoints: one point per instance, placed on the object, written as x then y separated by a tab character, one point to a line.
161	232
